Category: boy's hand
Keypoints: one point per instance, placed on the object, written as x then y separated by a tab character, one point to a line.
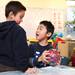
44	57
31	70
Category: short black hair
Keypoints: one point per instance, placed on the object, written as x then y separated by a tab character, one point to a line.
15	7
49	26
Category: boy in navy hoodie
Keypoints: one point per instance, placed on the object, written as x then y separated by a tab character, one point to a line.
40	49
14	51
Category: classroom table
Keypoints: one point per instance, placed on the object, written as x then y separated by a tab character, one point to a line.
58	70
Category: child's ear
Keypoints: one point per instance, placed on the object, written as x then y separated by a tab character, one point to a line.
11	15
49	34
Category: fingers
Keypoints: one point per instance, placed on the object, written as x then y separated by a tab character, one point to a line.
46	57
31	71
46	61
46	53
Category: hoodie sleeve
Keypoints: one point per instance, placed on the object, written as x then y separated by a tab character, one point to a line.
21	50
34	60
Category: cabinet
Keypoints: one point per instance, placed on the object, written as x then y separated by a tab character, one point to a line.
66	47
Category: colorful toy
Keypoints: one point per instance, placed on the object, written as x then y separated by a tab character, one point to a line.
56	38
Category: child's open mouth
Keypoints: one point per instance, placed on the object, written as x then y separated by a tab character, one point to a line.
37	34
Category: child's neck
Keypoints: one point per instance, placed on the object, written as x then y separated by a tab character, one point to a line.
9	19
43	42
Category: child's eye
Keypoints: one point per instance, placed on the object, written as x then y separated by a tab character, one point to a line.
40	28
21	17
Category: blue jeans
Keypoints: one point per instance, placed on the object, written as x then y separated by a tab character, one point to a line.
12	73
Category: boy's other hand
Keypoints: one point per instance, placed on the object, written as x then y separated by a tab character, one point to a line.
44	57
31	70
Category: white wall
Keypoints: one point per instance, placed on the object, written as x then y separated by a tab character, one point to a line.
37	11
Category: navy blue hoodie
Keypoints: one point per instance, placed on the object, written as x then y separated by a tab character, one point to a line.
14	51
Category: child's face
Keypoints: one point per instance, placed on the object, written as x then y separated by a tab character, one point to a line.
41	32
18	17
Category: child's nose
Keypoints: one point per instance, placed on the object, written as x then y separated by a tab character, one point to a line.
37	31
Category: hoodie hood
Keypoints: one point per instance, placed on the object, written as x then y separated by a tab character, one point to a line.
5	28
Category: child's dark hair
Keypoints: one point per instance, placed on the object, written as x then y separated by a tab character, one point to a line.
49	26
13	6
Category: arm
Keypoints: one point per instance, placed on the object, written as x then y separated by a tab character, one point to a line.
33	59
